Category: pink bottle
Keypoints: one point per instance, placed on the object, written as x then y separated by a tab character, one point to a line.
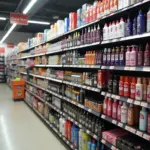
109	108
133	56
128	56
148	123
119	111
114	109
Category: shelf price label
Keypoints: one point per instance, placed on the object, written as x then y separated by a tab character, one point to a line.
146	136
120	124
139	133
144	104
113	147
103	116
103	141
137	103
114	121
129	100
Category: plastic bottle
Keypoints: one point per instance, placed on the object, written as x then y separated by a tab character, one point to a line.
82	37
105	32
133	56
120	4
139	90
131	115
109	108
113	57
105	57
127	3
94	35
93	146
117	56
132	88
124	113
140	23
85	141
140	56
121	86
80	139
126	87
128	56
129	27
143	119
119	111
109	31
148	123
122	28
148	20
85	36
115	85
117	34
147	55
114	109
113	29
148	91
144	89
89	145
105	106
135	26
122	56
98	34
110	84
108	56
60	125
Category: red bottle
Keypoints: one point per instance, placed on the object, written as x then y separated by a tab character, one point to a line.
119	111
121	86
69	130
109	108
132	88
105	105
114	109
66	129
126	87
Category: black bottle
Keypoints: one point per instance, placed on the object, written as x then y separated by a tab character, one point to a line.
115	85
110	84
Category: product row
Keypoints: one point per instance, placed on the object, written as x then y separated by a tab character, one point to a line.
128	114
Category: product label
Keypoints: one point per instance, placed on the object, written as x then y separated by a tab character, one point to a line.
148	22
141	116
138	92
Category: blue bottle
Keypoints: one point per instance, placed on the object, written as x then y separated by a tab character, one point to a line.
76	136
73	133
93	146
129	27
89	145
135	26
140	23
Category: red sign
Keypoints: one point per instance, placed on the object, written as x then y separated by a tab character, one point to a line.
18	19
2	50
10	45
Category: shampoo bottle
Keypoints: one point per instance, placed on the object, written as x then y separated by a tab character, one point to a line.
126	87
139	90
113	57
143	119
147	55
122	56
128	56
121	86
124	113
131	115
140	23
148	91
148	20
132	88
133	56
140	56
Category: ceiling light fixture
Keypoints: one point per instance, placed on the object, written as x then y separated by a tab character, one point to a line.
2	18
8	32
29	6
38	22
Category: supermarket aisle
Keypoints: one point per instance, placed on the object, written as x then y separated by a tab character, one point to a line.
20	128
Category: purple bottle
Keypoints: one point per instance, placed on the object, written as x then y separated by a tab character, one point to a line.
117	56
129	27
140	56
94	35
122	56
135	26
88	36
108	56
98	34
113	57
91	36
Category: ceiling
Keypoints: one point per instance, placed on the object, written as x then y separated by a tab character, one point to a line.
43	10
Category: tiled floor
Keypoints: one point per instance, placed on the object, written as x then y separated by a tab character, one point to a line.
20	128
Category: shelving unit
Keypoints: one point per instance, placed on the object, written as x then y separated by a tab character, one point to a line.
2	69
100	90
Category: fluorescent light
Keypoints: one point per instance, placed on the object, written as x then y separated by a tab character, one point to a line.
38	22
8	32
29	6
2	18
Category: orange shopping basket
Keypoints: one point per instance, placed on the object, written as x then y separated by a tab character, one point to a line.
18	89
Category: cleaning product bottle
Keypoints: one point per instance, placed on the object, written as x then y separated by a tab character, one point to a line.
122	56
124	113
119	111
117	29
121	86
140	56
133	56
89	145
140	23
139	90
114	109
143	119
110	30
105	105
147	55
132	88
148	123
122	28
126	87
131	115
109	108
148	91
128	56
144	89
148	20
113	57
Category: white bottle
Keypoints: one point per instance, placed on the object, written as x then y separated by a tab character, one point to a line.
120	3
63	126
80	139
133	55
122	27
148	21
109	31
124	113
133	2
60	125
139	90
143	119
117	29
127	3
113	26
105	31
128	56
